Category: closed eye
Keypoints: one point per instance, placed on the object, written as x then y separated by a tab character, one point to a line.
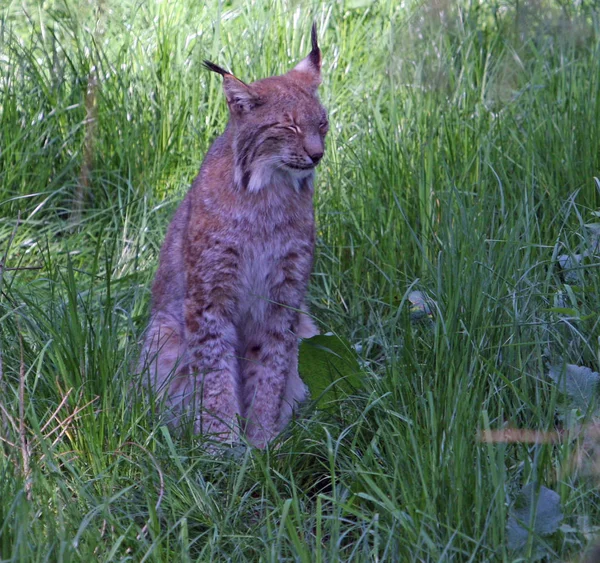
293	127
324	126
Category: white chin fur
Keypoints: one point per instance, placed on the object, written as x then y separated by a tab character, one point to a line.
300	174
262	176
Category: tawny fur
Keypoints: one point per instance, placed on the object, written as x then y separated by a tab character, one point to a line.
229	293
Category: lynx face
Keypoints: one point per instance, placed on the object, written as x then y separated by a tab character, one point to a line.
284	134
279	124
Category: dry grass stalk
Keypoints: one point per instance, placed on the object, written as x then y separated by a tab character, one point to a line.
23	441
91	114
520	436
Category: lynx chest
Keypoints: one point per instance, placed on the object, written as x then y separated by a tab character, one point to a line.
274	257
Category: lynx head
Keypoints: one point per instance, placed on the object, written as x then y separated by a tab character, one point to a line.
279	124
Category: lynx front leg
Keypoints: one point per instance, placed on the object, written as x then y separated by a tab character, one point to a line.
212	290
213	368
271	354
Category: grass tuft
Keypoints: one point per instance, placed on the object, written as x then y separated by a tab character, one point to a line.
460	163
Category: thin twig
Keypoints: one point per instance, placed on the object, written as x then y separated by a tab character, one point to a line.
56	411
9	418
8	442
64	424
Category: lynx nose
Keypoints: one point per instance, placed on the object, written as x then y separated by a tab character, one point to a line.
316	156
313	145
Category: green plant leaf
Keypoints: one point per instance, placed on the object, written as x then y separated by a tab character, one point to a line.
359	4
421	306
329	367
533	512
593	232
570	265
579	382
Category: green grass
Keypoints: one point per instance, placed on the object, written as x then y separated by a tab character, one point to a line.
460	162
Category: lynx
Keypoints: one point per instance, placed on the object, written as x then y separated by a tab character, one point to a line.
229	294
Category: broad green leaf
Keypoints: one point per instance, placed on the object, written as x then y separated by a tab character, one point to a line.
580	384
358	4
593	231
328	365
421	306
570	265
533	512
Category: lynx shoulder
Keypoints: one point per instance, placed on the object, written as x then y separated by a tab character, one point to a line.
229	294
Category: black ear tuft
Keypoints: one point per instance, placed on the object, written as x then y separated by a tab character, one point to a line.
313	36
215	68
308	70
240	96
315	54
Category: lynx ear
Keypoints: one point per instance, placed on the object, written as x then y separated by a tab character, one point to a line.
240	97
310	67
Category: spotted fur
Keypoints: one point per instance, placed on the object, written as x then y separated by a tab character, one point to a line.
229	294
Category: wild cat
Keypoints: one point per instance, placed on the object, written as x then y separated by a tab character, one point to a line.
229	294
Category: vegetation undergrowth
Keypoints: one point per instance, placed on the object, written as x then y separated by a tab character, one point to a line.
460	165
